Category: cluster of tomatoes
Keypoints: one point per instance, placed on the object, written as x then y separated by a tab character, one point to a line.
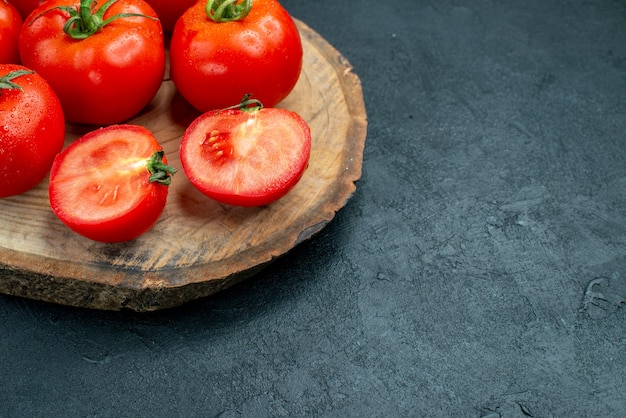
100	64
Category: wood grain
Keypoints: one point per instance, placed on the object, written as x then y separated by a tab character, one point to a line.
198	247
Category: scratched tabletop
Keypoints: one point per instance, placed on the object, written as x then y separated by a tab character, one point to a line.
478	270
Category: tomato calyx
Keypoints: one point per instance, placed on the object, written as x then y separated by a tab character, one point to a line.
85	19
159	171
247	105
227	10
7	83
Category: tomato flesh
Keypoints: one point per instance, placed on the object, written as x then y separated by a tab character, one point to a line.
100	188
246	158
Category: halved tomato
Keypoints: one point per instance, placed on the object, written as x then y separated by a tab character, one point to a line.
246	157
110	185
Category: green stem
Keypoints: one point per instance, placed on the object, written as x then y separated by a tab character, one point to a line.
86	19
159	171
227	10
247	104
6	82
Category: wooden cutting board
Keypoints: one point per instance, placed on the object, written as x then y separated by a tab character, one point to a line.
198	247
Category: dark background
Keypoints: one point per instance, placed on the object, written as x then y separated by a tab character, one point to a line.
478	270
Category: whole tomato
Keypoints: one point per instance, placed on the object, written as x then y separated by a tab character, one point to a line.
10	24
222	50
169	11
105	62
32	129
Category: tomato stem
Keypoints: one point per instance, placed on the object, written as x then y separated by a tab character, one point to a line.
247	104
7	83
227	10
85	19
159	171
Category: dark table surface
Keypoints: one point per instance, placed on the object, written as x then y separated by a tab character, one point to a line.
478	270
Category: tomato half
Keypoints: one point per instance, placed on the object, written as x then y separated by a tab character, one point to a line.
10	25
110	185
214	64
246	157
32	129
111	74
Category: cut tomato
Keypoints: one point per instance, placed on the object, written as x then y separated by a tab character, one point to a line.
110	185
246	157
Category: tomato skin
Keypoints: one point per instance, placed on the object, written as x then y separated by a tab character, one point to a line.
10	25
169	11
213	65
100	188
246	158
24	7
106	78
32	131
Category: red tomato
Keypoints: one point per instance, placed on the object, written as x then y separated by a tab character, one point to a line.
26	6
105	78
32	129
169	11
214	64
111	184
246	157
10	25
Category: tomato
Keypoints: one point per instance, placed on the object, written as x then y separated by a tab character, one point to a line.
25	6
10	24
169	11
110	185
32	129
214	64
246	157
111	74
